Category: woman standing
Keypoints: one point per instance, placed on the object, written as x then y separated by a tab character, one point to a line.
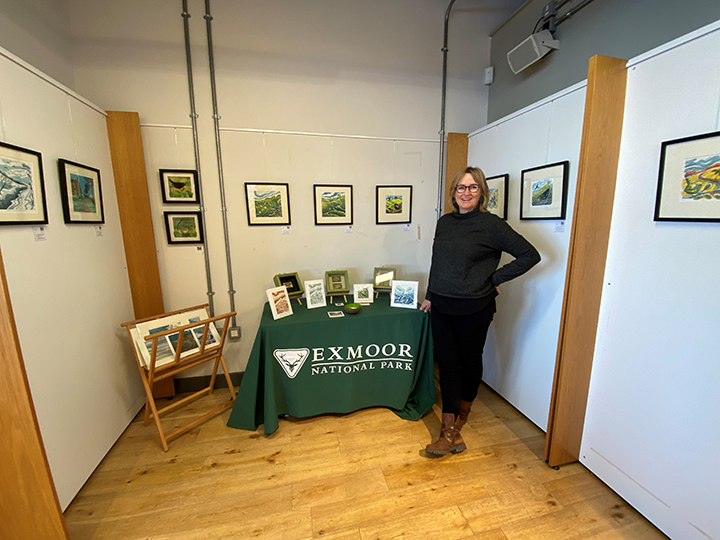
464	281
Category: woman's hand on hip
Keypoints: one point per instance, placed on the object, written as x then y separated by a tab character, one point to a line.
425	306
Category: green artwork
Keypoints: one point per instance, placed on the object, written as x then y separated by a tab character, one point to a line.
184	227
542	193
493	200
393	204
333	204
268	204
180	187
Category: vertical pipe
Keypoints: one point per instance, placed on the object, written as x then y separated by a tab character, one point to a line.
442	112
216	119
193	118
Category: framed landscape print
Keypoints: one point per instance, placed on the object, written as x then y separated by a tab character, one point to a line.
183	227
689	179
315	293
383	277
393	204
498	200
268	204
292	283
279	302
404	294
81	193
363	293
179	186
543	191
337	281
333	204
22	187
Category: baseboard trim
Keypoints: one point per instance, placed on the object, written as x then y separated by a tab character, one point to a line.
195	384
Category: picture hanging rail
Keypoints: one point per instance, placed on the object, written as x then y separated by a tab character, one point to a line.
689	179
22	186
498	200
179	186
267	204
81	193
333	204
543	191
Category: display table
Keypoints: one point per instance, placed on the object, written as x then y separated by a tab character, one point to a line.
309	364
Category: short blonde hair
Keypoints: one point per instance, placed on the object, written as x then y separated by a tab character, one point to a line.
479	178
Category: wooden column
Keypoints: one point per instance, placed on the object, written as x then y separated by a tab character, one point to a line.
29	506
128	161
457	160
602	129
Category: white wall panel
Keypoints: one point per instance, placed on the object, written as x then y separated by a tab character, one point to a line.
71	292
653	409
520	353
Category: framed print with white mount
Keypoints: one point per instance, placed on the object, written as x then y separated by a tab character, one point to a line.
404	294
22	186
333	204
81	193
267	204
498	201
689	179
393	204
183	227
315	293
543	191
179	186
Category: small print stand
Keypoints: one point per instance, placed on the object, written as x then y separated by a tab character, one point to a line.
332	295
205	353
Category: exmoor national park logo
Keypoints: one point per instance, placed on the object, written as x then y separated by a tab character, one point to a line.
291	360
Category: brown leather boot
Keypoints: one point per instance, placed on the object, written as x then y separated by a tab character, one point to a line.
464	412
449	440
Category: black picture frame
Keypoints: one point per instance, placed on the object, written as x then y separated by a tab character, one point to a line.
393	205
179	186
340	190
539	200
688	186
21	169
275	212
174	220
80	192
501	182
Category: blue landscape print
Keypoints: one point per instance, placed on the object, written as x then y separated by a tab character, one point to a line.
16	192
404	295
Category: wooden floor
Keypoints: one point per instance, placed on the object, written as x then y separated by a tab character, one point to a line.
359	476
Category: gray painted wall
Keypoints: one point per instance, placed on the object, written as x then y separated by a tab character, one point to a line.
619	28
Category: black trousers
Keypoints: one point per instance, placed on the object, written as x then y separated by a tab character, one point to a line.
459	341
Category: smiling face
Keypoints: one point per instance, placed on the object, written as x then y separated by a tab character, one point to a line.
467	200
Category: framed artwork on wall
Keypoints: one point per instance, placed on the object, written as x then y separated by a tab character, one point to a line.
498	200
543	191
315	293
337	282
292	283
689	179
333	204
183	227
393	204
179	186
81	193
279	302
404	294
22	186
267	204
383	277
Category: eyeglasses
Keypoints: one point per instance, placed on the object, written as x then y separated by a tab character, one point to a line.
472	188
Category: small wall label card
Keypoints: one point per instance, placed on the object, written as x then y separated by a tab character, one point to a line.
179	186
689	179
333	204
22	187
267	204
183	227
393	204
498	200
543	191
81	193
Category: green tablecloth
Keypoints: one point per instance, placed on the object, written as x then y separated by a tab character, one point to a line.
309	364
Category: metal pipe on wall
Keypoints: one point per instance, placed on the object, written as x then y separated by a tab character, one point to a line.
196	146
234	330
442	111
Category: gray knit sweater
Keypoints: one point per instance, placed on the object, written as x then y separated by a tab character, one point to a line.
466	254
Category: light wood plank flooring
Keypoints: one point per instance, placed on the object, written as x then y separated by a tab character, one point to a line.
361	476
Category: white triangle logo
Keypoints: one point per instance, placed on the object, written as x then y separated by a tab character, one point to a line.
291	360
